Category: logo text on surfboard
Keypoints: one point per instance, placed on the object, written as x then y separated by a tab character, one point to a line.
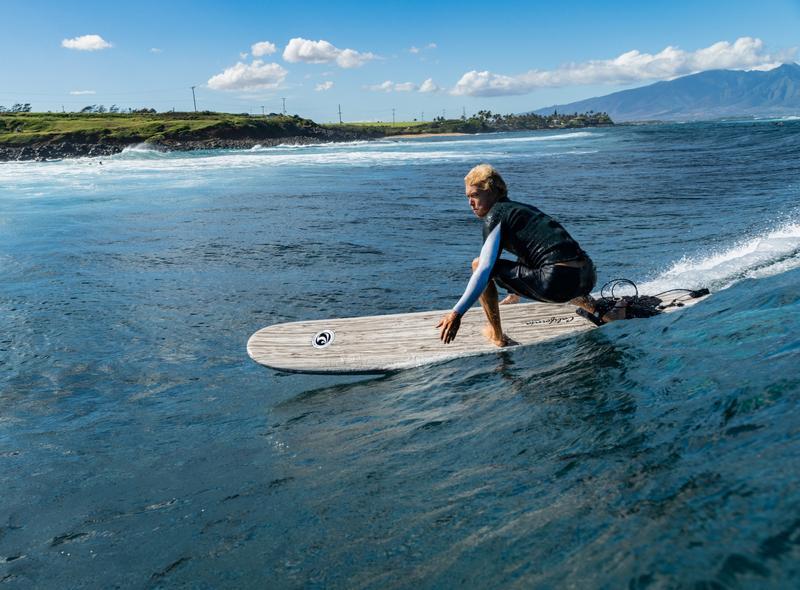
564	319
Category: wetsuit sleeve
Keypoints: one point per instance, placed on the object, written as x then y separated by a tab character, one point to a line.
480	278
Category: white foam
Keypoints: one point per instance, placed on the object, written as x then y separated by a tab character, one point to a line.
771	253
136	151
310	146
177	167
764	119
493	138
560	137
141	148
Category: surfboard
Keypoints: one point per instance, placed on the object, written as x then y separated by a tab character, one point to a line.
380	344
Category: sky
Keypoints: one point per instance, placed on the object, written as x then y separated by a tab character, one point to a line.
410	60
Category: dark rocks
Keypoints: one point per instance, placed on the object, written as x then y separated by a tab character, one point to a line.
49	150
55	151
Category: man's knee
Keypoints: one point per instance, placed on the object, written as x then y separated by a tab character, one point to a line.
475	264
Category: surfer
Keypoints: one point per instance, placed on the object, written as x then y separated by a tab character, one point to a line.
550	265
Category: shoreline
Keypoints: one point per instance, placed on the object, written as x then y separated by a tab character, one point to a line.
59	151
53	151
28	136
413	135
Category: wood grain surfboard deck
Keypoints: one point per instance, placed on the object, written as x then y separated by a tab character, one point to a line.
379	344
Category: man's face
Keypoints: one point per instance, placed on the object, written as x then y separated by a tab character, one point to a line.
480	201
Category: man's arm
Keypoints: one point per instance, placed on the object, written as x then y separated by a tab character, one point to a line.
480	277
450	323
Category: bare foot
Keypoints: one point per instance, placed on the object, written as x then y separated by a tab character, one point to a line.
502	341
585	302
618	312
510	299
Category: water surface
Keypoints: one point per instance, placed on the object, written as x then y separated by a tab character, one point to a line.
140	447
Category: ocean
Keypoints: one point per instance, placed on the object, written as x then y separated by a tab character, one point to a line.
140	447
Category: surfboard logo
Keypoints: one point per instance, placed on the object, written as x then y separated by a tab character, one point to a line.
552	320
323	339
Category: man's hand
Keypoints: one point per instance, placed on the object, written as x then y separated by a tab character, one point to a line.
449	325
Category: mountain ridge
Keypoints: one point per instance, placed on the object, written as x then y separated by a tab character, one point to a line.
709	94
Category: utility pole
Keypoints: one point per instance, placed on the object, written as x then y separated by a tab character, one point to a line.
422	116
284	104
340	114
262	111
443	114
463	112
392	116
194	100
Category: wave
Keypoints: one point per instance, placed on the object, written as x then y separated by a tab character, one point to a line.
202	166
773	252
303	146
139	150
775	119
492	138
560	137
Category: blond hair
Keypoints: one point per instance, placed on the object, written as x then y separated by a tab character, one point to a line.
486	178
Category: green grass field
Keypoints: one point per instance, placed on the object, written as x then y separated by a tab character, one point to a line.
20	130
25	128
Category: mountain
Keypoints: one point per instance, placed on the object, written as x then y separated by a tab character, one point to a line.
707	95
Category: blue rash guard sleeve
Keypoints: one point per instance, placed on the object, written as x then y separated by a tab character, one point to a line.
480	278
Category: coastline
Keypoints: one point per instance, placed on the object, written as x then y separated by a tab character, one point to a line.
57	151
54	136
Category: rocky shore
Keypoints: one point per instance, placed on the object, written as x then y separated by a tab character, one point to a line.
56	150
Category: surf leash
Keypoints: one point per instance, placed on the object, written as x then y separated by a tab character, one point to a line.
636	305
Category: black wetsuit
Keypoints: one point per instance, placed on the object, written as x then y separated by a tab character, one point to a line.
539	242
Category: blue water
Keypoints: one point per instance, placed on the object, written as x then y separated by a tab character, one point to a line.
140	447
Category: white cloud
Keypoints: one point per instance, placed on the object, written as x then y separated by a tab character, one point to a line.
385	86
323	52
263	48
746	53
254	76
416	50
86	43
156	50
243	55
429	86
81	92
389	86
327	85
